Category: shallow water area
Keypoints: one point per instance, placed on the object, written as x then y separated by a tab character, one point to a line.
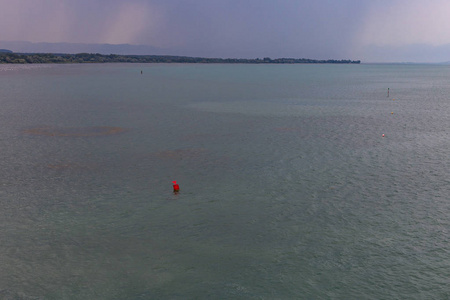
288	190
74	132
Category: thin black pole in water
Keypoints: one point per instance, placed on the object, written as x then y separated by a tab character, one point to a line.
388	92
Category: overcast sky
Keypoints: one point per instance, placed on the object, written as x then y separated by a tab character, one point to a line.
370	30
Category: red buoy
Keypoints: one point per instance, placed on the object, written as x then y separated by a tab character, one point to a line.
176	187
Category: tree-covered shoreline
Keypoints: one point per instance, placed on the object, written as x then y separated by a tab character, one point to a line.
52	58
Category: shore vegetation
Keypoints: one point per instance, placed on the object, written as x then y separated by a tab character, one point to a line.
52	58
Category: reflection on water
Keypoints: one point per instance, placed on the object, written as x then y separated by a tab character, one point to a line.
181	154
72	166
75	131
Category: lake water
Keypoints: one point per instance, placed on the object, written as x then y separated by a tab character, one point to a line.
288	189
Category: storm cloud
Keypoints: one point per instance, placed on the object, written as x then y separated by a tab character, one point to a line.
322	29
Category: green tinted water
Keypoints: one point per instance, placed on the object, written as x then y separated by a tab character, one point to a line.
288	189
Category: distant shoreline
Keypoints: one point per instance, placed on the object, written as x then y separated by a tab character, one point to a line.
55	58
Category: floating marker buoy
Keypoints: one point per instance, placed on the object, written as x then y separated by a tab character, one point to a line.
176	187
383	135
392	113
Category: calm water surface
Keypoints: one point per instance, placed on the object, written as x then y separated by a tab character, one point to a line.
288	189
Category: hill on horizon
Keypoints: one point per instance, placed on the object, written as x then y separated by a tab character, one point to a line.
122	49
73	48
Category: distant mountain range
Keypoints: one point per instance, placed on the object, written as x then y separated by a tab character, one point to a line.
72	48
